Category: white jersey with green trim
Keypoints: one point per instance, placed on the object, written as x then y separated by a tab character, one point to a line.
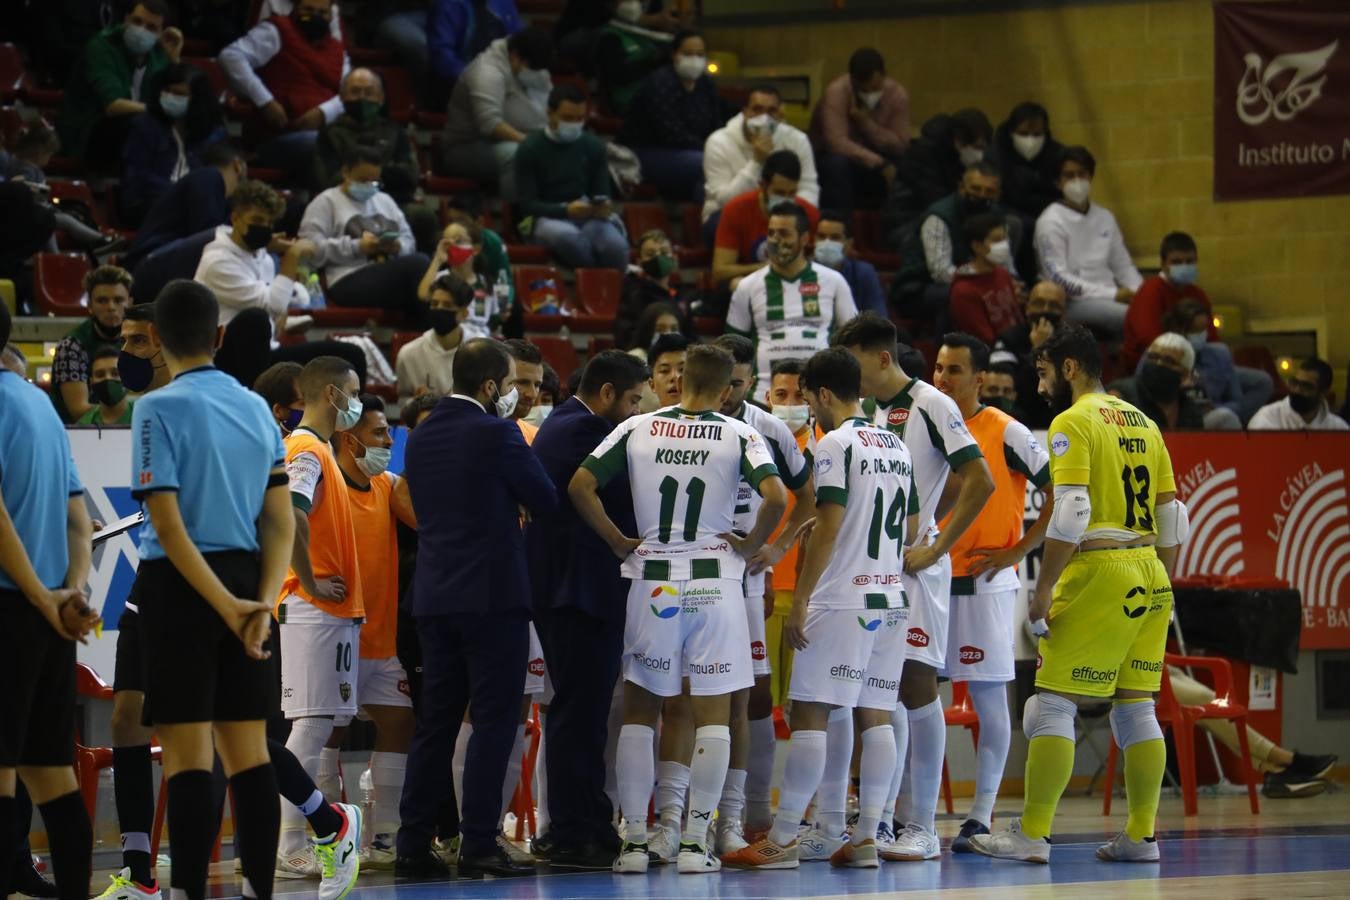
793	466
683	469
867	470
936	435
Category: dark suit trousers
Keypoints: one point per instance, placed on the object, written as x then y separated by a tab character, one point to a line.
467	658
582	653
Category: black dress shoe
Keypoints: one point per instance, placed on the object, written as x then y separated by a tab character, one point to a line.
588	857
495	862
29	882
543	846
426	866
608	840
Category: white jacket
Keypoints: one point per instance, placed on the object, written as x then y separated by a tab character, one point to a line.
1280	416
242	280
325	223
730	167
1084	253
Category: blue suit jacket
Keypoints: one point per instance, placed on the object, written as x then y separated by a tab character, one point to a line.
468	472
570	566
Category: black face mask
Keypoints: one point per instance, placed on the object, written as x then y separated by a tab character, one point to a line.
1304	404
312	27
136	373
1002	404
443	321
257	237
974	206
1161	383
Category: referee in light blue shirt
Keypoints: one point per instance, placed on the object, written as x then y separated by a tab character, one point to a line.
44	561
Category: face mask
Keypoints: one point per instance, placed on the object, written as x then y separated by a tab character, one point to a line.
974	206
781	252
1198	339
108	393
139	39
1002	404
361	191
375	461
970	155
1076	191
459	254
175	106
256	237
362	110
293	417
772	200
312	27
534	79
795	417
347	416
659	266
538	413
136	373
444	321
1052	318
690	68
762	124
869	99
628	11
829	253
1162	383
1028	146
567	132
1182	274
505	404
1303	404
1000	253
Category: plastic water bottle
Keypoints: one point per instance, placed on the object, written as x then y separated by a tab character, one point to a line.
502	291
315	289
367	784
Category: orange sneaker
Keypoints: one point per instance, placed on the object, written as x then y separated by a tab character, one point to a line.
856	856
763	854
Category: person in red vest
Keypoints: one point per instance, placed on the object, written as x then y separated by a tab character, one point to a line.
291	68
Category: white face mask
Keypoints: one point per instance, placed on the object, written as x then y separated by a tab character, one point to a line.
970	155
375	462
762	124
869	99
1028	146
506	403
538	413
1077	191
829	252
690	68
628	11
795	417
1000	253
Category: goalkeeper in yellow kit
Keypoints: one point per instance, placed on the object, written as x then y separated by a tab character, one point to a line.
1102	602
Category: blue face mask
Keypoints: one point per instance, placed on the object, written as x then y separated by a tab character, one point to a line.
568	132
349	416
829	253
175	106
139	39
375	461
361	191
1198	339
1182	274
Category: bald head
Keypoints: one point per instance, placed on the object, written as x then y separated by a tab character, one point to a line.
1047	297
362	84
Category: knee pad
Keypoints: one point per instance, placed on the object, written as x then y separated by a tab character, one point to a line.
1133	722
1048	715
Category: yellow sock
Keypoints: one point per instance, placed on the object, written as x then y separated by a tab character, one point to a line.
1144	764
1049	765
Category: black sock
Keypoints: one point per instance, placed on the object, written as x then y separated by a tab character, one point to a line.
9	830
257	826
72	844
219	794
134	794
294	783
192	834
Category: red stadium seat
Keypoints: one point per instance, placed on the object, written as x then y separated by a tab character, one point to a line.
527	254
213	72
643	217
599	290
79	192
399	95
559	353
960	714
400	339
58	283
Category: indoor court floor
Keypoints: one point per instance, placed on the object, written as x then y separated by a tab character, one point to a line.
1293	849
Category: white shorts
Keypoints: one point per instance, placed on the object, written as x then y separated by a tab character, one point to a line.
929	596
754	615
853	658
383	682
980	646
695	629
537	683
320	663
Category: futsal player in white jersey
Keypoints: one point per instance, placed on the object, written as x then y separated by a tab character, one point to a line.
686	611
940	445
789	307
848	614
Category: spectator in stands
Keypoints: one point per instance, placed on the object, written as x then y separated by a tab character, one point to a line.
1080	246
1308	406
583	21
109	292
364	245
933	165
165	142
834	248
25	228
194	203
998	388
562	180
1028	157
1238	388
735	154
499	100
455	31
291	68
626	53
984	300
934	245
424	363
460	251
33	150
1163	389
860	128
657	320
365	120
112	81
490	262
1159	294
1044	312
647	284
743	224
269	8
111	405
677	107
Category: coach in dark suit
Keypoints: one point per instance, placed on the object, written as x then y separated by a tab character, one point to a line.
579	603
470	473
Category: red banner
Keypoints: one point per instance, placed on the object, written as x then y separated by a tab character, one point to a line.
1281	99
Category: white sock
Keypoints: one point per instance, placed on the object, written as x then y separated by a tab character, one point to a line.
513	767
832	795
990	699
635	773
672	784
928	732
329	777
874	778
457	762
900	727
801	776
732	805
541	817
759	774
308	735
707	775
387	771
904	804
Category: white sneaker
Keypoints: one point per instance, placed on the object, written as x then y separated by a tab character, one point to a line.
516	854
633	859
695	859
123	888
885	839
340	859
301	864
730	835
1122	849
1011	843
380	855
914	844
815	845
664	843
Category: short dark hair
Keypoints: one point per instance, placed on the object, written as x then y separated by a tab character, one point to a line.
157	7
835	369
257	195
681	36
1003	368
1079	154
1176	242
565	93
106	275
534	45
986	167
670	342
645	330
186	317
550	383
978	226
6	323
799	216
979	350
103	351
1322	370
763	87
1180	317
319	373
362	155
781	162
459	290
864	63
140	312
279	383
741	348
416	406
707	368
836	215
220	154
479	361
786	367
868	331
1076	343
523	351
970	125
623	370
370	403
